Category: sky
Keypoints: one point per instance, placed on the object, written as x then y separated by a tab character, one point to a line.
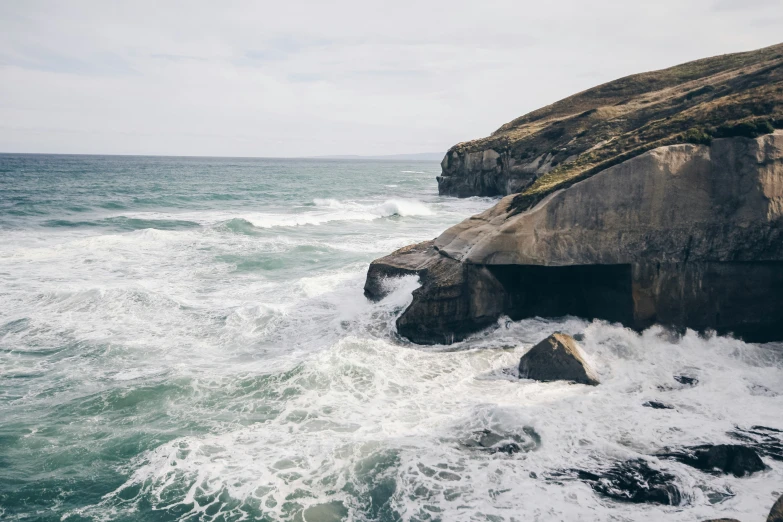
302	78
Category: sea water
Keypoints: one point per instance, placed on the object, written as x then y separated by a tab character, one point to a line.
187	339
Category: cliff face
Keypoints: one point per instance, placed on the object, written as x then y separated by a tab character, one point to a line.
674	204
724	96
684	235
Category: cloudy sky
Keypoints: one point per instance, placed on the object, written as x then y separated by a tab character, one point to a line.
298	78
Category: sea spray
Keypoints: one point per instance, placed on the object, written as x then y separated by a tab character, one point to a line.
151	369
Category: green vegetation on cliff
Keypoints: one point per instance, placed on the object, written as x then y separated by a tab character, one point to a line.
732	95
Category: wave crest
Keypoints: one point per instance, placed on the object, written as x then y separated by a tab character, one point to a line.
403	207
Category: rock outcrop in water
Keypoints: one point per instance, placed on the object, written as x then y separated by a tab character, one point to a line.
557	358
736	94
635	481
776	513
656	198
766	441
683	235
494	442
722	458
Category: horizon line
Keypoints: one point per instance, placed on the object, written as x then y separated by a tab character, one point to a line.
378	157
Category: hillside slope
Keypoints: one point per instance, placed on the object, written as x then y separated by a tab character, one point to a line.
731	95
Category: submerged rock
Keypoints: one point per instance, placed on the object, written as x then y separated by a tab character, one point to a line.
724	458
657	405
329	512
776	513
767	441
685	380
509	443
557	358
634	481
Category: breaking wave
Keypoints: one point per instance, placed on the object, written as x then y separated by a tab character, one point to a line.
200	348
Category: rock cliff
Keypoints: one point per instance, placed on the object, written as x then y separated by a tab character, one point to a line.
684	235
723	96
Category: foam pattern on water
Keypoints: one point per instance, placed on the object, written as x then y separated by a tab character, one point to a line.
201	349
366	419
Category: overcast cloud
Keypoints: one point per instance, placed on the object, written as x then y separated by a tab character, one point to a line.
298	78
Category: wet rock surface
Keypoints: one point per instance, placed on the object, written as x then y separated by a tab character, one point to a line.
557	358
685	380
657	405
454	299
776	513
766	441
634	481
721	458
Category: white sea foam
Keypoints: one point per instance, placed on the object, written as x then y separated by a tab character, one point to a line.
358	400
263	220
249	348
328	202
401	207
365	402
321	284
324	211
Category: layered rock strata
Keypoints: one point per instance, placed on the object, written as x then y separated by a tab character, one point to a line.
683	235
729	95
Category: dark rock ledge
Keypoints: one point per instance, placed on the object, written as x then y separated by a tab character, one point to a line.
720	458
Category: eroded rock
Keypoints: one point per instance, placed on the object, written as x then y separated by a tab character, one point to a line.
454	299
557	358
722	458
634	481
545	149
657	405
687	236
686	381
776	513
767	441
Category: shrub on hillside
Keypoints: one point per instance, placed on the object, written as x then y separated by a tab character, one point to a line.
697	136
745	129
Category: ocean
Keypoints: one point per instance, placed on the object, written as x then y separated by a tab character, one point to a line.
188	339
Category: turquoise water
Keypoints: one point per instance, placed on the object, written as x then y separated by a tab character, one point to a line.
187	339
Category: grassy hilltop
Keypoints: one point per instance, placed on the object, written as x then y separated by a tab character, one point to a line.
731	95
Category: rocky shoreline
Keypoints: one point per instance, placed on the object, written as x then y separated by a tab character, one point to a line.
688	236
638	212
653	199
648	478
